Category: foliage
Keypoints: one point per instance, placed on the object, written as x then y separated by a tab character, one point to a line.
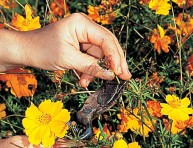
158	44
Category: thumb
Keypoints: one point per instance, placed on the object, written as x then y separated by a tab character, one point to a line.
89	65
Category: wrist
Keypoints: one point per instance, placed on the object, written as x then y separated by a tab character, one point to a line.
10	50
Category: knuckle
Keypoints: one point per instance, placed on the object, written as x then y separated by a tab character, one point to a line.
78	16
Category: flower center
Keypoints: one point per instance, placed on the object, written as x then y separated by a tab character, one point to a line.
175	104
44	119
26	22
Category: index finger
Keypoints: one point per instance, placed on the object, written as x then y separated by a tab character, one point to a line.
90	32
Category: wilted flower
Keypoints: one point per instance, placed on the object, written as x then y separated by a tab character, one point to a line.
155	80
160	6
45	123
175	108
28	23
155	108
21	81
160	40
8	4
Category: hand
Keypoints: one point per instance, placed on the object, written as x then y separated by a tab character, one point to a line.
63	44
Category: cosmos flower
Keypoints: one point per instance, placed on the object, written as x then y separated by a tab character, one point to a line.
160	40
21	82
175	108
120	143
136	120
101	14
2	110
160	6
28	23
44	123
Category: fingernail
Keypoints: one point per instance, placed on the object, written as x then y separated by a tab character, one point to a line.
87	83
129	73
119	71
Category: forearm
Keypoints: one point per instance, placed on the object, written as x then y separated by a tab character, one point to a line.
10	51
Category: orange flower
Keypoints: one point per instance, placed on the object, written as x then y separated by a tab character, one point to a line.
184	26
177	126
189	65
185	23
2	110
160	40
28	23
59	8
155	107
8	4
22	82
137	121
101	14
183	3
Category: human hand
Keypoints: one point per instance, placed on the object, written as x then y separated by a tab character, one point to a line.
63	44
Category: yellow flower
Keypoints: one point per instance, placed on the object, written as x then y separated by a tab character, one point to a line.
175	108
133	145
46	122
2	110
120	143
28	23
160	6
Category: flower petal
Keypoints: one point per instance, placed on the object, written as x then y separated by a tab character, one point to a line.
29	124
185	102
46	106
171	98
63	132
56	126
34	136
32	112
161	31
63	116
56	108
49	141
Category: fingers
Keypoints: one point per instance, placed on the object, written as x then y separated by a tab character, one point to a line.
99	36
92	50
85	80
88	65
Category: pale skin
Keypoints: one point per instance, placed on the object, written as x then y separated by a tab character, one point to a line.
75	42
